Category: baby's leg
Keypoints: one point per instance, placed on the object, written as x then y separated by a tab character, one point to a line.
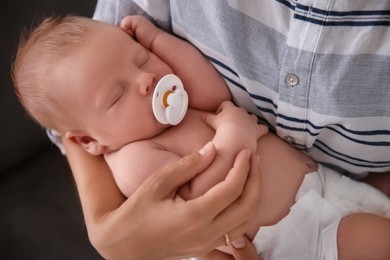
364	236
381	181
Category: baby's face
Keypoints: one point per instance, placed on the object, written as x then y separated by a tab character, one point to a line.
110	84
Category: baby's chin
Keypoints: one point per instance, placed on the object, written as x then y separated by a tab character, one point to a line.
151	132
161	129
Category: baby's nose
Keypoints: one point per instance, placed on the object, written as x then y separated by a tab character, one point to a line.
146	82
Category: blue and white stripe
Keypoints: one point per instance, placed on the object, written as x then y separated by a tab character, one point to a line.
339	111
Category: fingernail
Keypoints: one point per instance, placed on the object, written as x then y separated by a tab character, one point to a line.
206	149
239	243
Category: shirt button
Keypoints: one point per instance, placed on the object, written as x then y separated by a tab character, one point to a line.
289	139
292	79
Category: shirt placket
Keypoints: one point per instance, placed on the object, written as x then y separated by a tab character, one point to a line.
295	74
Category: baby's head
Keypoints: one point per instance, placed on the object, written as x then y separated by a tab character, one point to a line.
35	70
89	81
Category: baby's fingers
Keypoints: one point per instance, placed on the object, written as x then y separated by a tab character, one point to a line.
126	25
225	105
210	120
262	130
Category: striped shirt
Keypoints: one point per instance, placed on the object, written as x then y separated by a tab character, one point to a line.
316	71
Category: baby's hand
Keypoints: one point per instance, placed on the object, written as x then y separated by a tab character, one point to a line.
238	124
141	28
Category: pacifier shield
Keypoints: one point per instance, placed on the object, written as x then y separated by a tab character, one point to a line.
170	100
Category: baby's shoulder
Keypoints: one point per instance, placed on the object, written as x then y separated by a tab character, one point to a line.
140	147
134	150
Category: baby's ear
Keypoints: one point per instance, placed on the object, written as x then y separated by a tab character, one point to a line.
88	143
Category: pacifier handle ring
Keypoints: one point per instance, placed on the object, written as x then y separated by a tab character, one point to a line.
165	98
164	112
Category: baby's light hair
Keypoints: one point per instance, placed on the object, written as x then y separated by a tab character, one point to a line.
39	50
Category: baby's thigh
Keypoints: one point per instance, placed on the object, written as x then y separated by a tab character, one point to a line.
364	236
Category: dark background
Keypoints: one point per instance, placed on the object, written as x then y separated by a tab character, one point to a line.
40	213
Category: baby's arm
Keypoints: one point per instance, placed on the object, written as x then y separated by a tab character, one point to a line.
197	73
135	162
235	130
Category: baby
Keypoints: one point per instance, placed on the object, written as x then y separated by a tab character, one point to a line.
94	84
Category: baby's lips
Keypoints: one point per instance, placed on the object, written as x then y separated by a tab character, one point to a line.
170	100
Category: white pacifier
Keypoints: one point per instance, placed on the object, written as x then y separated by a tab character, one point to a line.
170	100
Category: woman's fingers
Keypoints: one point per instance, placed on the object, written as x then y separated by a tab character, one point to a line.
245	206
170	178
217	255
217	199
235	209
243	249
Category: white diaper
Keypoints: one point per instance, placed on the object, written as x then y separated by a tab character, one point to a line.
310	230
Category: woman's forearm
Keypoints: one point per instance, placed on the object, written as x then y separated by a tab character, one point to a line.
96	186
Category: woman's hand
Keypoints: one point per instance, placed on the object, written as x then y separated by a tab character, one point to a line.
155	223
241	248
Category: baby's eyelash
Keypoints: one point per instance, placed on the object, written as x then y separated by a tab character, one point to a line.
145	59
119	96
